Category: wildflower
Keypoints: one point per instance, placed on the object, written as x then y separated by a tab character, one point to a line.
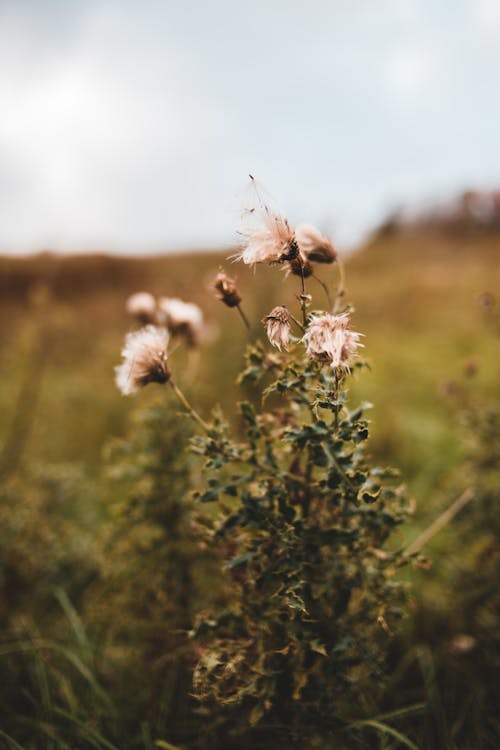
181	318
278	326
328	339
226	290
314	245
272	242
142	307
145	360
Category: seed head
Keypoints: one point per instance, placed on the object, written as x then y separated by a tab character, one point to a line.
271	242
300	266
142	307
181	318
144	360
328	339
277	324
226	290
314	245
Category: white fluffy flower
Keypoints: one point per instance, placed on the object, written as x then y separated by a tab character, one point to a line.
273	241
181	318
278	327
329	339
142	307
144	360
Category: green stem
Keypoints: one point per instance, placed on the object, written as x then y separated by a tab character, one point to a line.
297	323
192	413
440	522
340	288
336	397
303	298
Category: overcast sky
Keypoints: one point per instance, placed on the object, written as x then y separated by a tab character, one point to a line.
132	125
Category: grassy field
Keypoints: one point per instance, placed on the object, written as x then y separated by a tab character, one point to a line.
425	302
417	299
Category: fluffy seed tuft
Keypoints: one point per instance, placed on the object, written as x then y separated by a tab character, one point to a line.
142	307
183	319
329	339
271	242
144	360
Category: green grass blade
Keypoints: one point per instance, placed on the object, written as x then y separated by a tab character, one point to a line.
12	742
386	729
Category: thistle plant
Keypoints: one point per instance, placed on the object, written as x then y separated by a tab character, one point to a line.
304	520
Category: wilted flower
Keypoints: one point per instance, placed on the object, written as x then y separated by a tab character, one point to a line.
142	307
145	360
314	245
328	339
226	290
272	242
300	266
181	318
278	326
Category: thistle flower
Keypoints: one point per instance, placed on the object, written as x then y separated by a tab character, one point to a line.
328	339
181	318
142	307
226	290
272	242
278	326
314	245
145	360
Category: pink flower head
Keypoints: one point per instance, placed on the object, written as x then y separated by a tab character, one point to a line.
329	339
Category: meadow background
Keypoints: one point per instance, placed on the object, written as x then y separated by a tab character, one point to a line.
78	607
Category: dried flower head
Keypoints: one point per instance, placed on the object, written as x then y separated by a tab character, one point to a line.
328	339
278	327
271	242
144	360
314	245
300	266
226	290
181	318
142	307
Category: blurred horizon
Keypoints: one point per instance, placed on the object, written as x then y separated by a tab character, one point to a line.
131	129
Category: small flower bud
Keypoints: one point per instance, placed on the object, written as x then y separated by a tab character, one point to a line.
278	327
226	290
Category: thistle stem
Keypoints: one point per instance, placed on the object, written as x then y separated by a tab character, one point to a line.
325	289
336	396
297	323
187	406
341	286
243	317
303	300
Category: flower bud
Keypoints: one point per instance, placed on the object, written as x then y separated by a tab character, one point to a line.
226	290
